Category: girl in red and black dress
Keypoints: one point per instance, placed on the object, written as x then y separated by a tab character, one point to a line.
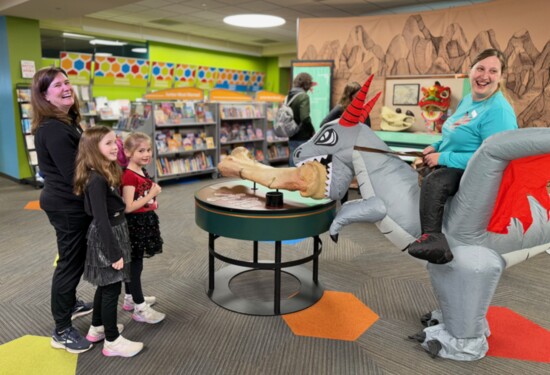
139	193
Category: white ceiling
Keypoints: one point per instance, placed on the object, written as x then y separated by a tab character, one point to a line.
198	23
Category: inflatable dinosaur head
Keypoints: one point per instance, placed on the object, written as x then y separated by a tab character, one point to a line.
434	103
336	140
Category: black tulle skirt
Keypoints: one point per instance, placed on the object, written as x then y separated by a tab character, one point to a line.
145	235
98	268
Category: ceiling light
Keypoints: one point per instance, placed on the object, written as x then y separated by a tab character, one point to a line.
107	42
103	54
139	50
254	20
77	36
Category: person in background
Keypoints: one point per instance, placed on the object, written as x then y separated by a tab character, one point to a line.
302	83
350	90
56	129
97	178
480	114
140	196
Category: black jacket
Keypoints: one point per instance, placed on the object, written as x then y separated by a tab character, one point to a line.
56	147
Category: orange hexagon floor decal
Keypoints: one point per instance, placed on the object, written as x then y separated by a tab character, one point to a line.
33	354
33	205
337	315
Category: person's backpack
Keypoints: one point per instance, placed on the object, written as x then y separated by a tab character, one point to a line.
284	124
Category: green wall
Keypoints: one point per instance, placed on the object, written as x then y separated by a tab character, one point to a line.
20	40
195	56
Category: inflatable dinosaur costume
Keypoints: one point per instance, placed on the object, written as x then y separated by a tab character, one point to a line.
485	232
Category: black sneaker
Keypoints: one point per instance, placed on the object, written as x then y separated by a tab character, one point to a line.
432	247
81	308
71	341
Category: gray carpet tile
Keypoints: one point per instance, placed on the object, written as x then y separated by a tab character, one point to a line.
199	337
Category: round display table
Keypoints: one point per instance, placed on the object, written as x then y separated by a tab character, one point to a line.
237	209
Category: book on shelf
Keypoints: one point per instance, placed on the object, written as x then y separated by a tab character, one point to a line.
29	140
26	124
26	110
210	142
23	95
33	158
84	93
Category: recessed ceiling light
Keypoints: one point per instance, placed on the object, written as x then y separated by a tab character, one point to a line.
107	42
139	50
103	54
77	36
254	20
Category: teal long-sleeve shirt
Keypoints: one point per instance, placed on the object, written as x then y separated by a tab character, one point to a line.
471	124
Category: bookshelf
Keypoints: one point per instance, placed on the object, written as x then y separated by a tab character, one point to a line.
277	147
186	139
243	124
138	118
25	111
86	104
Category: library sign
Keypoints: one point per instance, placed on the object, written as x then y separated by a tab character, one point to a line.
179	93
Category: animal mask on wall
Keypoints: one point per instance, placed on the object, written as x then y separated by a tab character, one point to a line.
434	104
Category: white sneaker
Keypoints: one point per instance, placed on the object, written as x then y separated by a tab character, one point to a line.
96	334
129	302
121	347
146	314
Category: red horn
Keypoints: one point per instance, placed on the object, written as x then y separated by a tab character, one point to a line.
350	117
368	107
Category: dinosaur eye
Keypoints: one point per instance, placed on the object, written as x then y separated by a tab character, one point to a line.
444	94
328	138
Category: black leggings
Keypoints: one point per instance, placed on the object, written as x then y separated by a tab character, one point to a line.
134	287
105	309
437	187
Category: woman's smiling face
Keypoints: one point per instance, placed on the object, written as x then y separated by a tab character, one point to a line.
485	76
60	93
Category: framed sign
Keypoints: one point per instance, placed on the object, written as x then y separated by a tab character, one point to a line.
319	96
406	94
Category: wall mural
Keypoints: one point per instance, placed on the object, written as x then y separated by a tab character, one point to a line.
441	42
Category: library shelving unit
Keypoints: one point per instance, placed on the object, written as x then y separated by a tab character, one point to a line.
138	118
276	147
243	124
87	105
186	139
25	111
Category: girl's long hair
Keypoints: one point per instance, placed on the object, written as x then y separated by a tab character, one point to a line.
41	108
90	157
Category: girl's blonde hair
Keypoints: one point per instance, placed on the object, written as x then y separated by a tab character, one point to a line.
41	108
132	142
90	157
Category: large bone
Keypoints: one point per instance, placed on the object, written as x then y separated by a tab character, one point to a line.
309	179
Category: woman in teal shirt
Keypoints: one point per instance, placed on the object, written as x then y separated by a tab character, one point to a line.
480	114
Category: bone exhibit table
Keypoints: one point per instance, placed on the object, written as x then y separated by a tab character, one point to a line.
236	209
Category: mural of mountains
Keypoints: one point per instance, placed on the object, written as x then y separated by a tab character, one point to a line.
416	51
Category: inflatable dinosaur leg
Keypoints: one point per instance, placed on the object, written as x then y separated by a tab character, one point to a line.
361	210
464	289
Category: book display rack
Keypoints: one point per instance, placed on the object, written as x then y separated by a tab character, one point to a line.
186	139
25	111
243	124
